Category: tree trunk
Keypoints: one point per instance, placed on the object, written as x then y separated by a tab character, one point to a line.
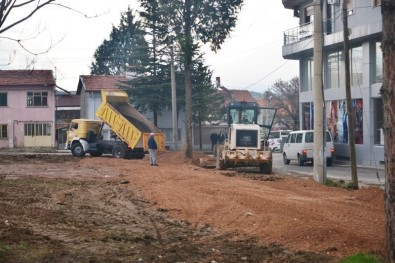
200	136
188	83
188	112
156	118
350	113
388	96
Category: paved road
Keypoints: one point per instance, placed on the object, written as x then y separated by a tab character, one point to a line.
366	175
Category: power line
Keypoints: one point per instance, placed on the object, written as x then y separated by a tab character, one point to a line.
259	80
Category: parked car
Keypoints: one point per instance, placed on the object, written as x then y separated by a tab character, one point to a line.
299	146
275	145
276	138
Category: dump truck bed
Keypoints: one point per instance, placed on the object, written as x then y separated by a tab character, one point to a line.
126	122
133	116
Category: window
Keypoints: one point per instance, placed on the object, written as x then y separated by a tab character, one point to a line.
247	116
350	7
356	66
376	2
309	14
37	129
309	137
328	137
3	99
307	74
307	116
299	138
378	122
335	70
378	63
36	99
3	131
274	135
291	138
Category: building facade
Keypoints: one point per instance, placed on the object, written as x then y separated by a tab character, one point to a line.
67	108
89	91
366	66
27	108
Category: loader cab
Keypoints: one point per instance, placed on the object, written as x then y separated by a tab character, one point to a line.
242	112
250	113
249	123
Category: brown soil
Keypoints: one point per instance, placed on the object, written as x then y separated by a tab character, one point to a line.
59	208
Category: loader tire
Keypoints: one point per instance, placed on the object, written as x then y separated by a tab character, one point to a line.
266	168
77	150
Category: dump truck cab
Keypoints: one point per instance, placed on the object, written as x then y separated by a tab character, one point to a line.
83	135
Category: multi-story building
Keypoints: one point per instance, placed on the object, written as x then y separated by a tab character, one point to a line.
366	65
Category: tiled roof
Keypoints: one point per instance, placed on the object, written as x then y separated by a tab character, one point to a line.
68	101
242	95
26	77
98	82
236	95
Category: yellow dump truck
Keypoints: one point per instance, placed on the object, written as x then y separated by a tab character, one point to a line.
130	130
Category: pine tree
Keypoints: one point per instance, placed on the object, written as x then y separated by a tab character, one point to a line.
126	49
207	103
150	89
189	22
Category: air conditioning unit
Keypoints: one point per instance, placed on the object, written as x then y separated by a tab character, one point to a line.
333	2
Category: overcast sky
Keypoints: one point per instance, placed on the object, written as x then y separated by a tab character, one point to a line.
249	59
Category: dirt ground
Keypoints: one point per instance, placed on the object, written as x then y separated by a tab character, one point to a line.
59	208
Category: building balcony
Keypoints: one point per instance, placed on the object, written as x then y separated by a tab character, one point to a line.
304	32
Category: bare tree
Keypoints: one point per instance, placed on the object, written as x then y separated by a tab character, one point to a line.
10	6
284	95
14	12
388	95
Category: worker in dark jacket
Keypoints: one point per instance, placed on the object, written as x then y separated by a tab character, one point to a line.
152	148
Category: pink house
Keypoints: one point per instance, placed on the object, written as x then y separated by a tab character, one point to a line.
27	108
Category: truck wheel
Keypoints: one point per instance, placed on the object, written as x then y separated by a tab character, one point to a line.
285	160
118	152
77	150
266	168
329	162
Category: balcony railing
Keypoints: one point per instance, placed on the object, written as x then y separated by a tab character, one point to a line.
305	31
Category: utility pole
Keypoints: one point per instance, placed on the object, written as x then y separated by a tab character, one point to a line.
174	100
350	114
318	92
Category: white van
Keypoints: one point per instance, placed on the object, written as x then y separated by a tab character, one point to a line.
300	147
